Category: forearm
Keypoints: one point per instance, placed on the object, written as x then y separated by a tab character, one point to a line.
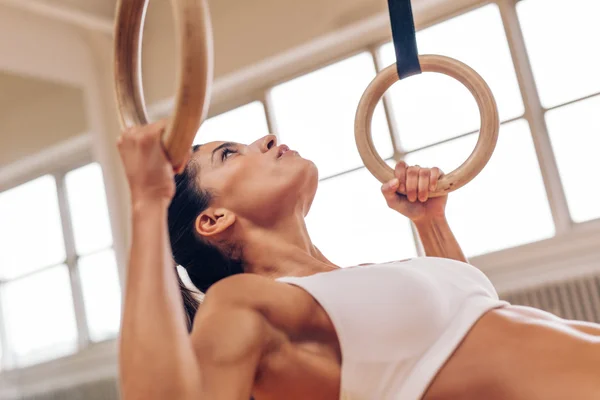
438	239
156	356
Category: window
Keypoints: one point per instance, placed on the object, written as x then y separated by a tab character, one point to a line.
32	205
482	215
565	64
39	315
505	205
575	133
59	285
93	245
562	43
315	114
36	298
477	39
244	124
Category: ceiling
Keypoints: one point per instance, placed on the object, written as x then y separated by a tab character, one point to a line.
99	8
105	9
17	89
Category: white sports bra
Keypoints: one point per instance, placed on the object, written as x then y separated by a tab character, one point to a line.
399	322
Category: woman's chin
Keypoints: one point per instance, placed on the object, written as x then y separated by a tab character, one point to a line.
314	170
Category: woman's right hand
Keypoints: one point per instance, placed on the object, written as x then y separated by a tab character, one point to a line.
149	172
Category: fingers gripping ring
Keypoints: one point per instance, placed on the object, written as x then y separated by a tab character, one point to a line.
194	78
488	134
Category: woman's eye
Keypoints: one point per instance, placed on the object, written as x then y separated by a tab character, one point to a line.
226	153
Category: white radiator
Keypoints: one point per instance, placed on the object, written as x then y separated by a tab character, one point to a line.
576	299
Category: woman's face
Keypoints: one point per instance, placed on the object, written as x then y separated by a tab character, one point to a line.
262	182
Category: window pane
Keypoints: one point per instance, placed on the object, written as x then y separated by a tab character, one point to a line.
351	223
243	125
30	228
101	294
432	107
505	205
562	42
315	114
39	316
89	212
575	134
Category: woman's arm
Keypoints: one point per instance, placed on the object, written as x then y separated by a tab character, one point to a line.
438	239
157	360
156	357
428	214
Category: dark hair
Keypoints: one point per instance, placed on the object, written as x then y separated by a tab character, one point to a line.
205	263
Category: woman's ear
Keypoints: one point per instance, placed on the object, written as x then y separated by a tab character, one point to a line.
212	221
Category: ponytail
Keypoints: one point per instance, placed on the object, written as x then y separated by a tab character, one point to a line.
190	302
204	263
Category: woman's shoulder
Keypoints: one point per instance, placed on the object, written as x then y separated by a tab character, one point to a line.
285	306
253	290
238	287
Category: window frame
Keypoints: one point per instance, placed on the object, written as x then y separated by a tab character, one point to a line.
56	161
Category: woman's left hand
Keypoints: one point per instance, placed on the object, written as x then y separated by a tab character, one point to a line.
417	183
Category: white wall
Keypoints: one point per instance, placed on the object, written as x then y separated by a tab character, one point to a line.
50	115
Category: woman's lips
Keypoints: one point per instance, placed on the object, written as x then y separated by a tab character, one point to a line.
285	151
281	150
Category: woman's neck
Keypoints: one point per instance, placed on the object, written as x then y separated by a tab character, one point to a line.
283	250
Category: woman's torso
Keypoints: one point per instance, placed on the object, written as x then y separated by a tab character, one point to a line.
509	353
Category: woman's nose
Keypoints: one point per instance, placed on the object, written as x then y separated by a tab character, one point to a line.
266	143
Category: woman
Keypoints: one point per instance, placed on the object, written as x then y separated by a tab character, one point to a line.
289	324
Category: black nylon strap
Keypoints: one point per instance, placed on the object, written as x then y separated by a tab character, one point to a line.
405	41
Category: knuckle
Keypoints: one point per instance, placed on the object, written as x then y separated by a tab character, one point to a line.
146	137
133	131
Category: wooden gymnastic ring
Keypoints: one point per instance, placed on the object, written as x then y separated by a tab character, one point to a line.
194	77
488	135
